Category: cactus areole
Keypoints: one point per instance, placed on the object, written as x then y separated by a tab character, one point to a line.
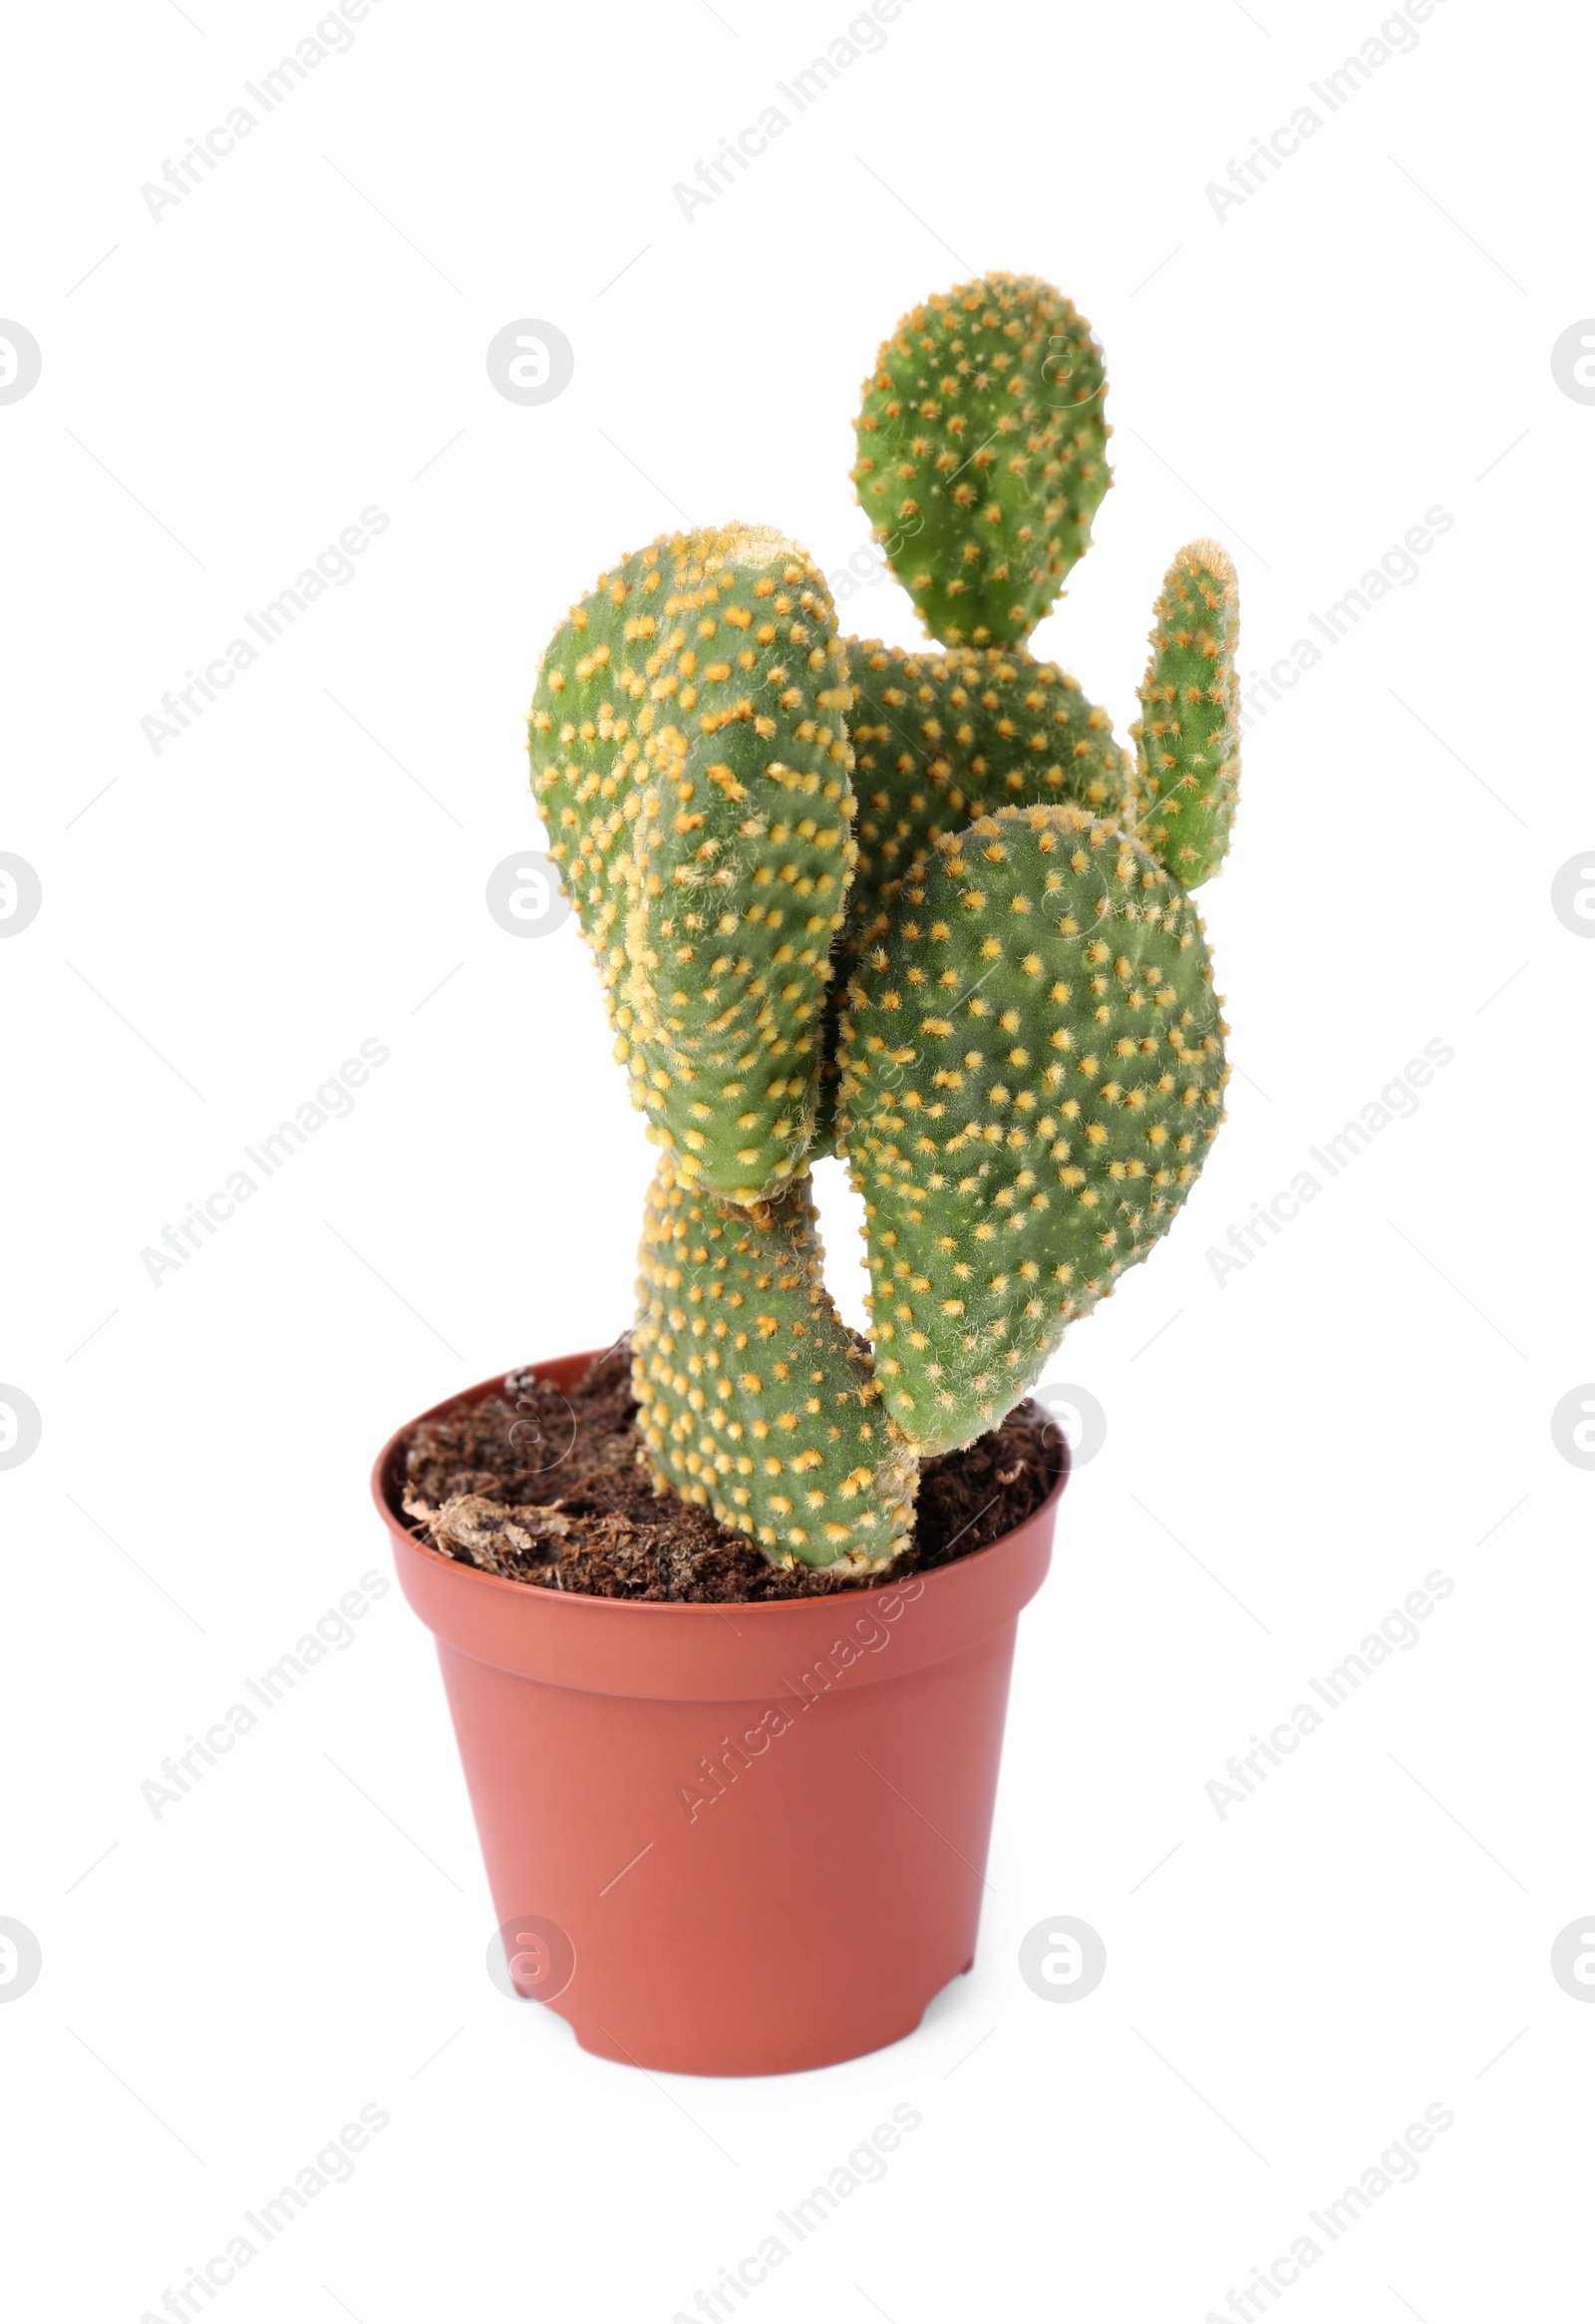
920	910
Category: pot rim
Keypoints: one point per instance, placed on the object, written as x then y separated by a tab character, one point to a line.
520	1592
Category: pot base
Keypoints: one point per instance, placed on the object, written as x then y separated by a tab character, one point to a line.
784	2060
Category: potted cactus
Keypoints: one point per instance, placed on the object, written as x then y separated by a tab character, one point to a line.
922	911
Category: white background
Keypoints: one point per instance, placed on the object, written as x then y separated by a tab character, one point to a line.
1289	1453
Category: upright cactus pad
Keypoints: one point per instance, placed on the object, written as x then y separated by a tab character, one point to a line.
690	755
1188	738
982	454
753	1395
940	738
1033	1070
921	908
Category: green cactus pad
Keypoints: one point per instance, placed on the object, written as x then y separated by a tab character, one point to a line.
982	454
940	738
590	744
752	1397
1032	1069
1188	738
690	757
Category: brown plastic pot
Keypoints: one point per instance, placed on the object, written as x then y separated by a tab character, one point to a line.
742	1839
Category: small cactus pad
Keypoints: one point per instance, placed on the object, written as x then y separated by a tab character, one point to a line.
1188	738
690	757
752	1397
1031	1069
982	454
940	738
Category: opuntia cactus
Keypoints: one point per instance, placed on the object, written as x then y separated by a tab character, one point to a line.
754	1396
939	738
918	908
689	753
1189	736
983	453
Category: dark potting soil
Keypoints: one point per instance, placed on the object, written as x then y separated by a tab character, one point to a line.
545	1487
